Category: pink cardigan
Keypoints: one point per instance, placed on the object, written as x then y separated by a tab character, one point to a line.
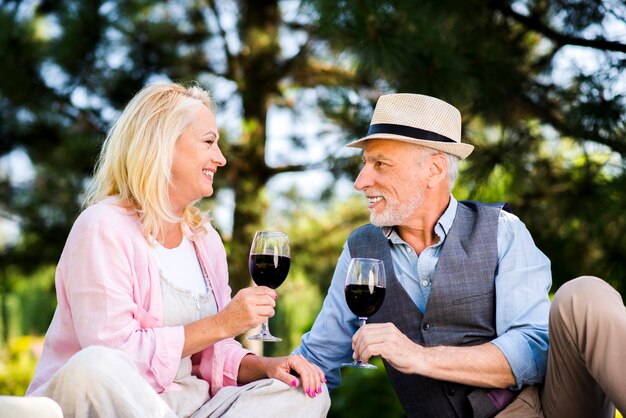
109	294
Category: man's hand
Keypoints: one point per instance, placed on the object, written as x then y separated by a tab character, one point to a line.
387	341
482	365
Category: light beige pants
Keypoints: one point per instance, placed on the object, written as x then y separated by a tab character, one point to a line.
102	382
587	358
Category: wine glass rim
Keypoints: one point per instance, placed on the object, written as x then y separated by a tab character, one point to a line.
366	259
268	232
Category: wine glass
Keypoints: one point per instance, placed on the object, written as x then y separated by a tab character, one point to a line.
365	292
269	264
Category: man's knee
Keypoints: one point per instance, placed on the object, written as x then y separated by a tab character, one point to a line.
579	284
581	297
589	286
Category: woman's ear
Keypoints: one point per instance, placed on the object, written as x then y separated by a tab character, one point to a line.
438	170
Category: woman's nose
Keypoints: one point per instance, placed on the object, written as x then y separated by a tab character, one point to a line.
219	159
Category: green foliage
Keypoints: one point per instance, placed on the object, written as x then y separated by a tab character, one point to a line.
297	306
317	233
365	394
28	302
17	364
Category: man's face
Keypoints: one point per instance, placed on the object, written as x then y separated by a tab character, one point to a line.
393	180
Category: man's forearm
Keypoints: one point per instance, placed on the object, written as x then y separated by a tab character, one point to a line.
482	365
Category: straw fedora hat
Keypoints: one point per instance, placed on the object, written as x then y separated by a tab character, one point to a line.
417	119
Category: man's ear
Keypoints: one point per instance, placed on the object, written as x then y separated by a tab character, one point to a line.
438	170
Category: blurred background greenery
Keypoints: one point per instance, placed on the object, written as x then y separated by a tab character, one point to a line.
540	84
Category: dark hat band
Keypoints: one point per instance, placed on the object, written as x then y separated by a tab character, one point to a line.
417	133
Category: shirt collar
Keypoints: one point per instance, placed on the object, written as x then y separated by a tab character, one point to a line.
441	228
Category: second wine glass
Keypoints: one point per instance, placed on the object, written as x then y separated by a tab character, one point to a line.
365	292
269	264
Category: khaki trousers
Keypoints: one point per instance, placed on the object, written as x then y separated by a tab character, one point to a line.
586	373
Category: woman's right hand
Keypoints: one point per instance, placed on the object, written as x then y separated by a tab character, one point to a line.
249	308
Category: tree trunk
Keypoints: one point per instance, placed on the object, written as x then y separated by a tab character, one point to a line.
258	83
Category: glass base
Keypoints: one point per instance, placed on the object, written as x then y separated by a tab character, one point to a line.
358	364
265	337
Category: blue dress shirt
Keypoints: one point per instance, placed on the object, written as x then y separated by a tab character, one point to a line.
522	281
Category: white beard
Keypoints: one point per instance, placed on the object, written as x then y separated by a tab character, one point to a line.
395	212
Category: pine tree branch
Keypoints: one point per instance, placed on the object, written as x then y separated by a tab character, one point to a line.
549	112
316	73
295	61
297	168
534	23
230	59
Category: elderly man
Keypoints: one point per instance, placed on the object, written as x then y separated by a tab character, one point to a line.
464	325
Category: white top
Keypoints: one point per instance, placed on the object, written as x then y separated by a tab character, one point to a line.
181	266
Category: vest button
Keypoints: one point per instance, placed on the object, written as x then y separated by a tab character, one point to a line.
451	391
426	326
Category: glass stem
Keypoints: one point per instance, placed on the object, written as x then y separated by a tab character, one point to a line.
362	321
265	328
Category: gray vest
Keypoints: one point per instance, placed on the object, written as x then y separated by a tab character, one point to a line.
460	310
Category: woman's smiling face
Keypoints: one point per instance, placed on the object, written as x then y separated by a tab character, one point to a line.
196	158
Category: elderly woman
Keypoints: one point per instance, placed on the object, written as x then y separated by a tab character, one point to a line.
145	324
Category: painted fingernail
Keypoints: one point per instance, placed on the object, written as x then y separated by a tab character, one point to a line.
276	296
294	383
319	389
324	380
313	396
308	391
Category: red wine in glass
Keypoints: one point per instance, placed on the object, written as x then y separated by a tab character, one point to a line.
365	292
269	270
269	264
364	301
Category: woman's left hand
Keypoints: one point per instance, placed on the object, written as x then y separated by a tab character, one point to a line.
287	369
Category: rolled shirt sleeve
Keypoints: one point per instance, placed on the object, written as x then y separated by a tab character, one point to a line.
523	280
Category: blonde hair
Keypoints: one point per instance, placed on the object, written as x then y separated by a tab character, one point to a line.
136	158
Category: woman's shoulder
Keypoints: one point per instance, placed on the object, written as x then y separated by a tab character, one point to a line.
108	212
104	225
